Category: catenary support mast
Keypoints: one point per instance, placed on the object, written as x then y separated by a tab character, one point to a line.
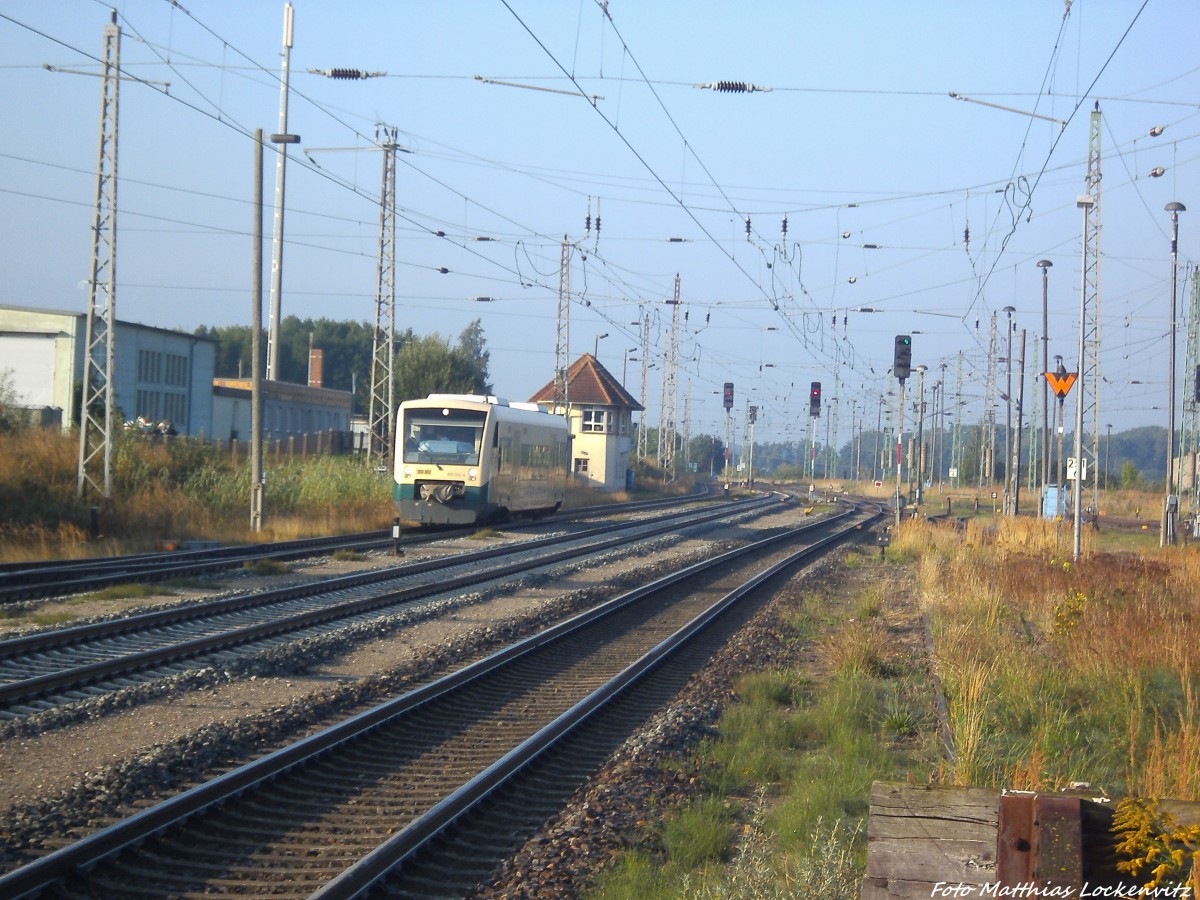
382	412
96	413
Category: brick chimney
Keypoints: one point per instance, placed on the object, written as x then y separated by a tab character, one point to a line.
316	368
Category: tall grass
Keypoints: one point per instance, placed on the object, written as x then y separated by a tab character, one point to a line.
807	747
183	489
1059	671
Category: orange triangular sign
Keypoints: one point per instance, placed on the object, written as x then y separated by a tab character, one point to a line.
1061	382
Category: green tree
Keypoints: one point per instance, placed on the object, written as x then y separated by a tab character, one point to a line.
707	453
423	365
1130	476
432	365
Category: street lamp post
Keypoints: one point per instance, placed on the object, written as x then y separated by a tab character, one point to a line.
1171	504
596	344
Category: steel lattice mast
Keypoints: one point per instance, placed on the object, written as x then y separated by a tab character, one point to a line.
642	437
987	455
562	342
98	402
382	412
1089	368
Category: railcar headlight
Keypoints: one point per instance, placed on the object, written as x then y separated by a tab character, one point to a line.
408	471
472	473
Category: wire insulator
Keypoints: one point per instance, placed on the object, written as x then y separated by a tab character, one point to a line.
732	87
350	74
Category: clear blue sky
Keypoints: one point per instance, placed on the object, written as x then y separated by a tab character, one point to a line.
879	173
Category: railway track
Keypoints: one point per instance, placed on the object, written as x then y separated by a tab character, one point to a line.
52	578
381	795
48	669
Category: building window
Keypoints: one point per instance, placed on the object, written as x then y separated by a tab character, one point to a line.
173	407
149	405
177	370
581	465
594	420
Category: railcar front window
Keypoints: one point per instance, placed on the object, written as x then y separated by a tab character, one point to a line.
455	439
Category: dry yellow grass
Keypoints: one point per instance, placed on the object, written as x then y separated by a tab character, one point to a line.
1060	671
183	491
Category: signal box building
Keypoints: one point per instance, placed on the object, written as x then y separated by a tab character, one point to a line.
600	413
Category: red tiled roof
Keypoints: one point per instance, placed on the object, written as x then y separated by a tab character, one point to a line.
590	384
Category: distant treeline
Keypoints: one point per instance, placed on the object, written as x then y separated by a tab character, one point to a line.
423	364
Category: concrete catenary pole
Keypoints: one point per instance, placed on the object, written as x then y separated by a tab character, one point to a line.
282	139
257	488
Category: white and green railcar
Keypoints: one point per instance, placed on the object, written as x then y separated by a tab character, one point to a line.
462	459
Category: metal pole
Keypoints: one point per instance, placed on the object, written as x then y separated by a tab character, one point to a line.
750	457
899	450
812	453
877	468
1060	463
1044	265
920	456
1107	457
256	367
828	420
1016	456
1171	501
727	425
282	139
1008	419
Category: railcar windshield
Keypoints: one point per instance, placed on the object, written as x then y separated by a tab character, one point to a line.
446	436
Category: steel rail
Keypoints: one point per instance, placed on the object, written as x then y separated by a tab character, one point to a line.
90	850
79	676
59	637
25	581
419	834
